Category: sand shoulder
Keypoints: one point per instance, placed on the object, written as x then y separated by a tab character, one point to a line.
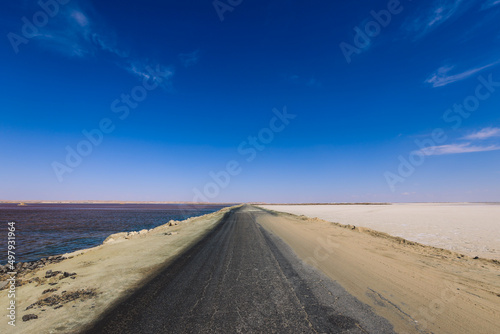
104	275
468	228
418	288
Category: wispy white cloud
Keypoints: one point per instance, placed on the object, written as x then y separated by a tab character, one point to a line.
490	3
73	33
457	149
161	74
482	134
440	12
190	59
442	76
138	69
108	44
80	18
69	34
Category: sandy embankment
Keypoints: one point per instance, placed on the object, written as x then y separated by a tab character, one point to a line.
469	228
419	289
104	275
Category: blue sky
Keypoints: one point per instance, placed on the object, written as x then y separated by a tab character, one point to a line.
277	101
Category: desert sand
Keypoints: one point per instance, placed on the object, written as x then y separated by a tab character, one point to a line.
104	275
418	288
467	228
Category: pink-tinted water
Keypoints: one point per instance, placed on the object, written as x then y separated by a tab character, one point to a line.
50	229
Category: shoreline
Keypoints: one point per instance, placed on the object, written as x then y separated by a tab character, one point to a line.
55	229
122	234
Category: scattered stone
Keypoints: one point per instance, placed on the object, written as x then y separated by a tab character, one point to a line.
22	268
171	233
58	306
476	257
64	298
51	273
28	317
49	290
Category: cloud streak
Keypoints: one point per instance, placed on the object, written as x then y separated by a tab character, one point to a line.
442	76
75	34
483	134
440	12
457	149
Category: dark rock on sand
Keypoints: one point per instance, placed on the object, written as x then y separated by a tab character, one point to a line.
51	273
49	290
66	274
28	317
